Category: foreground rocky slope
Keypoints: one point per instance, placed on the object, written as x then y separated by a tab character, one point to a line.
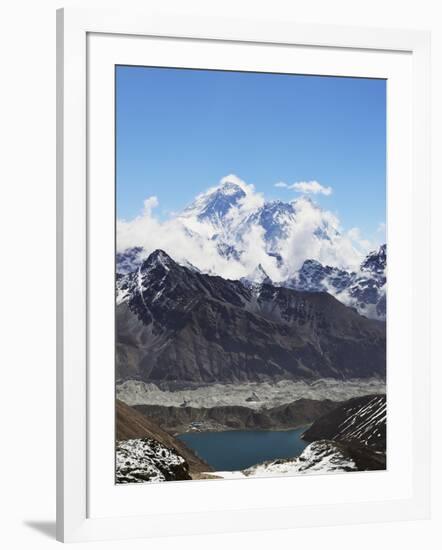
144	459
142	447
361	420
175	324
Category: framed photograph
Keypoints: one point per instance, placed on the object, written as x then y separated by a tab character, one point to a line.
233	353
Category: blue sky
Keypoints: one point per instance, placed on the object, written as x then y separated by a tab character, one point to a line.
180	131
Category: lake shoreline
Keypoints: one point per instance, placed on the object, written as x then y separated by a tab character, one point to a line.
234	450
255	429
182	420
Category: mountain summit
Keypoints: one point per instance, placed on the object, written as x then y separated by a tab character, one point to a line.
216	203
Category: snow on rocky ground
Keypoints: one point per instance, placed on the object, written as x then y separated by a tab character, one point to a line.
253	395
320	457
365	423
141	460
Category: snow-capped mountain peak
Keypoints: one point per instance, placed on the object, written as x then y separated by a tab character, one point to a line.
214	204
376	261
365	290
158	258
230	230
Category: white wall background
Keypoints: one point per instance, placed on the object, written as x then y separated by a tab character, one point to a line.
27	217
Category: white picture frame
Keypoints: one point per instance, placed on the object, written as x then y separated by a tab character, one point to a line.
86	508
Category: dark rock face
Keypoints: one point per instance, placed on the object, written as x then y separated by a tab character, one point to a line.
175	324
362	420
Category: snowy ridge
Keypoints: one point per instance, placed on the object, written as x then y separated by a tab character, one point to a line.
365	289
320	457
139	280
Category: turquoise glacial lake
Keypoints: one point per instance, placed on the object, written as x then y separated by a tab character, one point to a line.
236	450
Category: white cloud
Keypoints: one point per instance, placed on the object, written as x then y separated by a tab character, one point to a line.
336	248
307	187
313	187
149	204
185	238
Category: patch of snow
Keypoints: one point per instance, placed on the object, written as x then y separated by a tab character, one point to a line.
141	460
320	457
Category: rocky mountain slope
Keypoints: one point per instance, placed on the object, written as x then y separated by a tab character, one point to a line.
361	420
148	440
145	459
292	415
176	324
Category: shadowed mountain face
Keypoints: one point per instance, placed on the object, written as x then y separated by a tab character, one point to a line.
361	420
175	324
358	428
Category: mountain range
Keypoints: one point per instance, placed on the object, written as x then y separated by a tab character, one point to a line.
232	232
175	325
